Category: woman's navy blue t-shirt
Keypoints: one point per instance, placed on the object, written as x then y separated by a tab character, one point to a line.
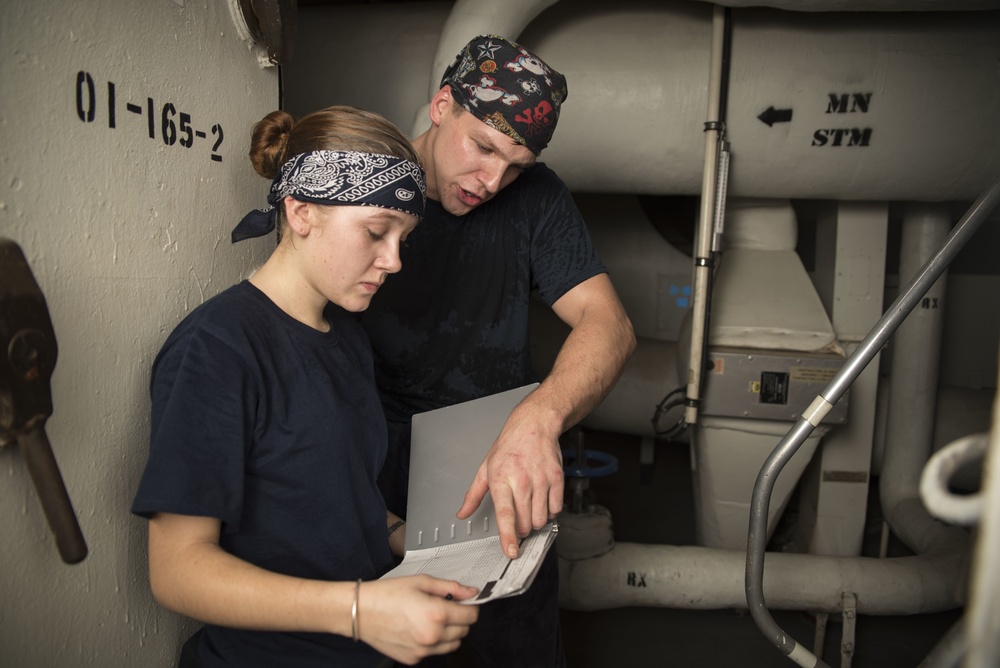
277	430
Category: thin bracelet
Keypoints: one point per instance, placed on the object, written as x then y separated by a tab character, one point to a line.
354	611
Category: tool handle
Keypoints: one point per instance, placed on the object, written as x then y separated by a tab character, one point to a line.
37	454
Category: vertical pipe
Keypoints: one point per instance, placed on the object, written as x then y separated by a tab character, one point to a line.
982	617
701	281
916	354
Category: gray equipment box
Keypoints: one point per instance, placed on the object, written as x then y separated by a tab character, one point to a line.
769	384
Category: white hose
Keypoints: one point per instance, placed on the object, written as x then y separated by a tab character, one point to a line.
963	509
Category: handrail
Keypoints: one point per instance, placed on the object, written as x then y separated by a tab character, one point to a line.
908	298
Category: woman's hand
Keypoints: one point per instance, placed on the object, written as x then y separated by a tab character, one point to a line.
411	618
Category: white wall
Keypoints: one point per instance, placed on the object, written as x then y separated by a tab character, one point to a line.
125	235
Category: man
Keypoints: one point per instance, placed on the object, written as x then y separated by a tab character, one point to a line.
498	228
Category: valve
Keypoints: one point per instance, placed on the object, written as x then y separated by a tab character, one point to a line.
27	359
580	465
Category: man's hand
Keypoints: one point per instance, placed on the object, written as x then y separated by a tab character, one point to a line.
523	471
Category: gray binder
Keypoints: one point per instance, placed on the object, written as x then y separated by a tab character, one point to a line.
447	446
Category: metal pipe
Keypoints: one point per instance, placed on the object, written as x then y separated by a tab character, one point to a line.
855	364
693	577
913	377
982	617
703	259
935	492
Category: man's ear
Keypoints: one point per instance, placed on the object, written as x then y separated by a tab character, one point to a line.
298	215
441	104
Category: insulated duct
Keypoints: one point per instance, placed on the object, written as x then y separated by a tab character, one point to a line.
864	106
891	107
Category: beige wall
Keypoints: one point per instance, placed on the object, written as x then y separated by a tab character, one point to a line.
125	235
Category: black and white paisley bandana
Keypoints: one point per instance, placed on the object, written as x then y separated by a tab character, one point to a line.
340	178
509	88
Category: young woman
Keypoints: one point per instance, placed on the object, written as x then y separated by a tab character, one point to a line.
265	519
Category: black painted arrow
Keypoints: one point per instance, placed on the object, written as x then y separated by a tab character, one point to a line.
772	116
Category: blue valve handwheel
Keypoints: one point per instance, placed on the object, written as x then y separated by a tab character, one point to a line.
595	464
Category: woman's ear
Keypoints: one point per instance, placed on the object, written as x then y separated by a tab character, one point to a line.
298	215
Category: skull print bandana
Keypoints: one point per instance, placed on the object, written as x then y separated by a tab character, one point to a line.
508	88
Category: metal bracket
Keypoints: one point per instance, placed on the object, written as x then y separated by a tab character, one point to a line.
850	616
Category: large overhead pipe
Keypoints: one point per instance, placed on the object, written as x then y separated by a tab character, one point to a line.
897	107
825	105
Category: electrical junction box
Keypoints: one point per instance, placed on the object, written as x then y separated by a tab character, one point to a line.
769	384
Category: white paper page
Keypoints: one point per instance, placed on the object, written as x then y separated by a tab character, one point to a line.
481	563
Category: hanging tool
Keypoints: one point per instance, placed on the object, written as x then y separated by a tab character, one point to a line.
27	359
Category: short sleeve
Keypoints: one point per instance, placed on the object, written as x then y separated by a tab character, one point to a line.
201	426
562	255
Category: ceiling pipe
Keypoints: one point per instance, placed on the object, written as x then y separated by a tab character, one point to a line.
869	106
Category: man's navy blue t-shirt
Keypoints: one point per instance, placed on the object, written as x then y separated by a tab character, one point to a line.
453	324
